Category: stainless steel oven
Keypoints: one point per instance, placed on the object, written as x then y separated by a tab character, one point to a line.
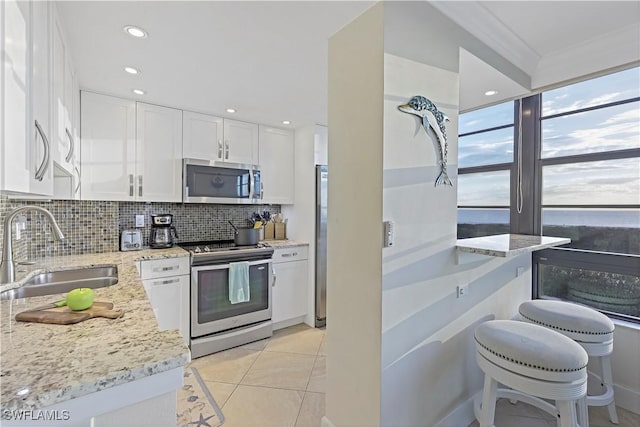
216	323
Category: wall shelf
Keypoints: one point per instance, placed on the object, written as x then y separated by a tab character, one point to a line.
506	245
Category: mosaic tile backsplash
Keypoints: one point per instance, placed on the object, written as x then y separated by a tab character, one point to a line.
95	226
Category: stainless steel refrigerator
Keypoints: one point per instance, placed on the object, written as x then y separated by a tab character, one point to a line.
321	244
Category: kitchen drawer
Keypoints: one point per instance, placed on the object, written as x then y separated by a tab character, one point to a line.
295	253
167	267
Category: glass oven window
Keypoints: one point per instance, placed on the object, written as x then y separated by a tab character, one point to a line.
213	294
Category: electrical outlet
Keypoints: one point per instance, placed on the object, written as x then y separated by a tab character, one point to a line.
519	271
139	220
462	290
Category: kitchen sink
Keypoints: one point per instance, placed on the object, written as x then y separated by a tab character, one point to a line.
56	282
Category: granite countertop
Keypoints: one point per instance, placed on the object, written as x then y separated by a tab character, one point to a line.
279	244
61	362
508	245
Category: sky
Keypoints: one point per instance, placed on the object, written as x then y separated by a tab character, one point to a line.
612	128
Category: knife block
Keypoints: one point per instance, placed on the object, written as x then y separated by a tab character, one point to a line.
280	231
269	231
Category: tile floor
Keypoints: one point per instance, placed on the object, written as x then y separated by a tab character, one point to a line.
279	382
523	415
274	382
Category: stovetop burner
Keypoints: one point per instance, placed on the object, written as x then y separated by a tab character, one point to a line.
207	251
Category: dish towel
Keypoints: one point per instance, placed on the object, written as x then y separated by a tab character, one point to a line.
239	282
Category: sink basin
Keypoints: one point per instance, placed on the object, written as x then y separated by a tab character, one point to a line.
56	282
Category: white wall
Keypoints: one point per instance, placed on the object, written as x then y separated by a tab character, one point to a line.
354	235
428	353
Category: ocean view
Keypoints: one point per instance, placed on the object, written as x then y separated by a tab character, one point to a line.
623	218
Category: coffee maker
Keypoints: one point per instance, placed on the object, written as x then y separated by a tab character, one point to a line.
162	232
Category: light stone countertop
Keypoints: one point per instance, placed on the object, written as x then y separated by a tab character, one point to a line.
279	244
61	362
508	245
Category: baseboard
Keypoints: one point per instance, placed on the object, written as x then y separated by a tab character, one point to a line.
462	415
625	398
289	322
324	422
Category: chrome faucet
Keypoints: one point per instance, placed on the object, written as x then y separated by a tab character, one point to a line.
8	266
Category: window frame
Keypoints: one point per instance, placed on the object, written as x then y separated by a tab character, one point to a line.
528	160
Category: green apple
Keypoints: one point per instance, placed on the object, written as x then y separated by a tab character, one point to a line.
80	298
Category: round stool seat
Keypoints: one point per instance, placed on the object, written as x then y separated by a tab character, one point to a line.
531	350
537	365
577	322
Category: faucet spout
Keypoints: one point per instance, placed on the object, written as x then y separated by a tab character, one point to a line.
8	266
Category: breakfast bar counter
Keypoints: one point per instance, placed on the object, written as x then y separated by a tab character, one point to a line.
49	365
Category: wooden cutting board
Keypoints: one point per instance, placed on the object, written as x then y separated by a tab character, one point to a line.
66	316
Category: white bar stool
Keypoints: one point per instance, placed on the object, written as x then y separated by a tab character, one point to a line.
536	363
589	328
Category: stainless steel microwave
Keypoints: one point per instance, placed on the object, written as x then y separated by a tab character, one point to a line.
207	181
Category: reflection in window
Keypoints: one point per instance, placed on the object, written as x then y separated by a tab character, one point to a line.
599	91
605	129
606	182
602	230
606	291
486	148
484	189
486	118
477	222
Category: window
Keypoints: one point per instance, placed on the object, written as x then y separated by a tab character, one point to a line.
589	174
485	147
580	179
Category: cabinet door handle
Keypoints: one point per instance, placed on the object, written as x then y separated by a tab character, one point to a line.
226	145
78	184
174	267
273	270
45	159
131	185
72	146
220	149
139	185
166	282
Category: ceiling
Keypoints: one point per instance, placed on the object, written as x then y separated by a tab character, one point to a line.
268	59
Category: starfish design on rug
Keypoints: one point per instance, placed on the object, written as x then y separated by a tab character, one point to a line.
202	421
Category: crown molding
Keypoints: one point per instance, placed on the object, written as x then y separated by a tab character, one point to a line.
590	57
482	24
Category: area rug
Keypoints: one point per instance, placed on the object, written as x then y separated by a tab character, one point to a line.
196	405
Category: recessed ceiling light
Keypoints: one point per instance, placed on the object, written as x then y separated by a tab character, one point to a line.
135	31
286	122
132	70
491	92
138	92
231	110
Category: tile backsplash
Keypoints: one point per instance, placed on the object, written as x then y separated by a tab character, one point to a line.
95	226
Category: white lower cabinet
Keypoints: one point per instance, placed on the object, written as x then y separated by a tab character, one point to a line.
290	286
166	282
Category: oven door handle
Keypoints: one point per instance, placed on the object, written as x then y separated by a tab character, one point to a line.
226	265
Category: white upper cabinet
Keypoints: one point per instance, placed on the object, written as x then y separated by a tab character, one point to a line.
202	136
216	139
159	153
63	142
25	162
117	166
277	165
240	142
108	154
